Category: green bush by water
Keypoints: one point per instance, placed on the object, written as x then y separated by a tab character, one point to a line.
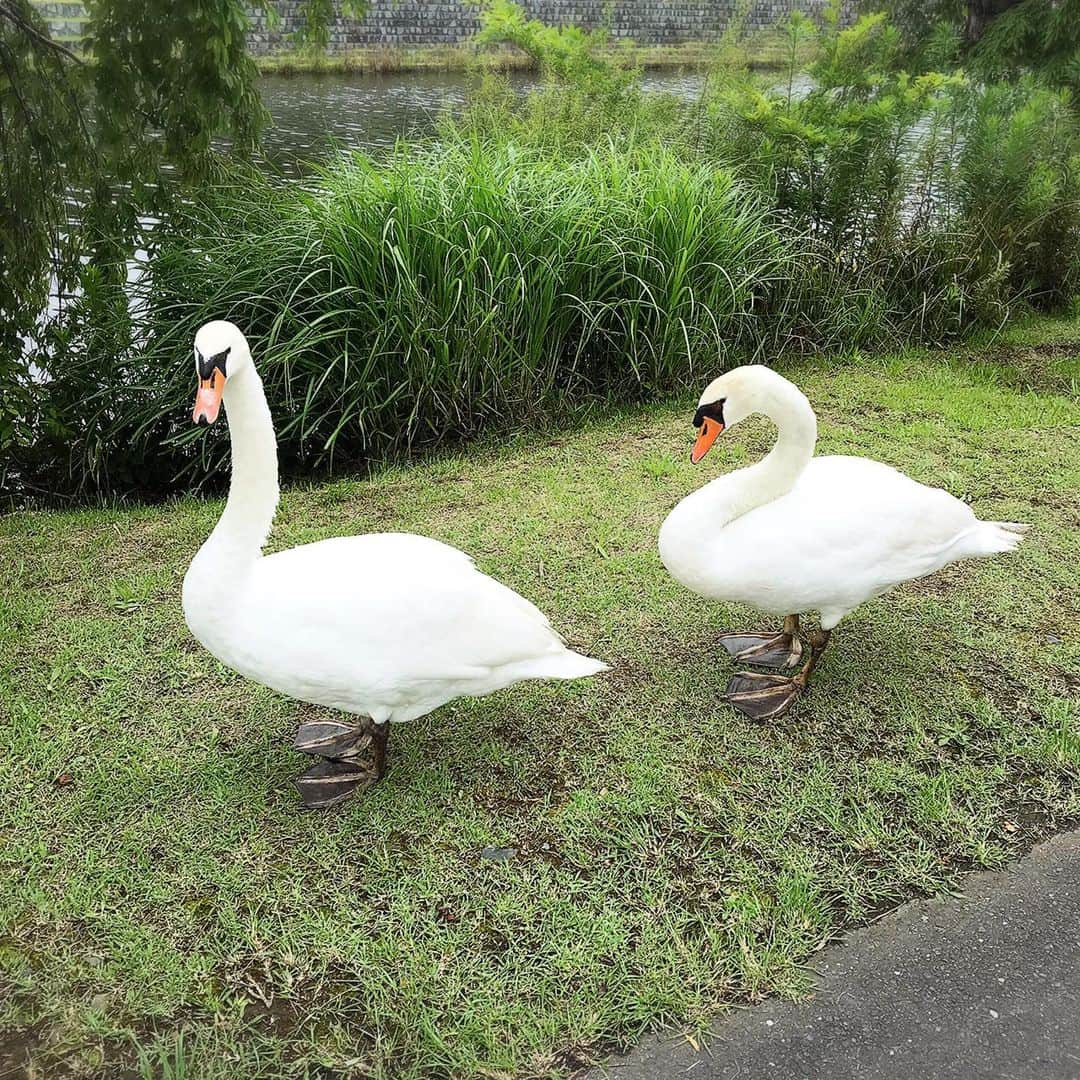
587	243
429	297
927	184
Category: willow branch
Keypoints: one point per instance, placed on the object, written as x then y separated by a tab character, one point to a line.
8	12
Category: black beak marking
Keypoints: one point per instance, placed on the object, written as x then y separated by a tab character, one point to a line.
713	411
206	364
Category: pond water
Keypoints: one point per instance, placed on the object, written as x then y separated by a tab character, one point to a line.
312	113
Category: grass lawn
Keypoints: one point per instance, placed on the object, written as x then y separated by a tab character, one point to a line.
169	911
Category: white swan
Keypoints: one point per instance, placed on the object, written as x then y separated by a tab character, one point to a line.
386	626
796	533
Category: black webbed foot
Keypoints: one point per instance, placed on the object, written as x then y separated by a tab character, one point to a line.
780	650
353	757
332	739
327	783
762	697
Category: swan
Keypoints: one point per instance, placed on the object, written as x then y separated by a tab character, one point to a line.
794	533
385	626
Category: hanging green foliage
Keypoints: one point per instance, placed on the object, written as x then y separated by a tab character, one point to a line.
96	143
998	39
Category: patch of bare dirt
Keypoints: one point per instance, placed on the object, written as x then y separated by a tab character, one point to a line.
1028	364
16	1051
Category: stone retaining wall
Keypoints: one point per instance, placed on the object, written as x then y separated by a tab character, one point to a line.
406	23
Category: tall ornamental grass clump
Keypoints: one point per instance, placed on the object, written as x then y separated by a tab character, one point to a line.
427	298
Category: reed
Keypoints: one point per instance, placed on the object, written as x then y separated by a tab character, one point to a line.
468	287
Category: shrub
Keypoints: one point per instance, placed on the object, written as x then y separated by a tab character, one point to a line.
1017	187
442	293
589	242
956	199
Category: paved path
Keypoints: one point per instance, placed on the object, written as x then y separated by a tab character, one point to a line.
982	986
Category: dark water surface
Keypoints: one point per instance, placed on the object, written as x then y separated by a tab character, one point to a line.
313	113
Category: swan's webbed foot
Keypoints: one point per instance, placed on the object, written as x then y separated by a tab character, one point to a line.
329	782
332	739
353	756
766	697
764	650
762	697
780	650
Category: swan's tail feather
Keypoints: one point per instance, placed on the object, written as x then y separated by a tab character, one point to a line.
992	537
562	665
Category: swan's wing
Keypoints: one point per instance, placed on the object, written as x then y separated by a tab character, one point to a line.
850	529
350	555
864	508
403	606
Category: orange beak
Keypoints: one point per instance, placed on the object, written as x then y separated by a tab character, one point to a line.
208	398
710	430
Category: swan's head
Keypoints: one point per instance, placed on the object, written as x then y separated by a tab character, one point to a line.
221	353
730	399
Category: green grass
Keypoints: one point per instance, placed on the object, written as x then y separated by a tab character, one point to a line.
171	910
386	60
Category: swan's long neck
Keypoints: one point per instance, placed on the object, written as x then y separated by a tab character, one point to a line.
245	523
688	535
775	475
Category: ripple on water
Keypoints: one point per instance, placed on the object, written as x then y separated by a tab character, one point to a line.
313	113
